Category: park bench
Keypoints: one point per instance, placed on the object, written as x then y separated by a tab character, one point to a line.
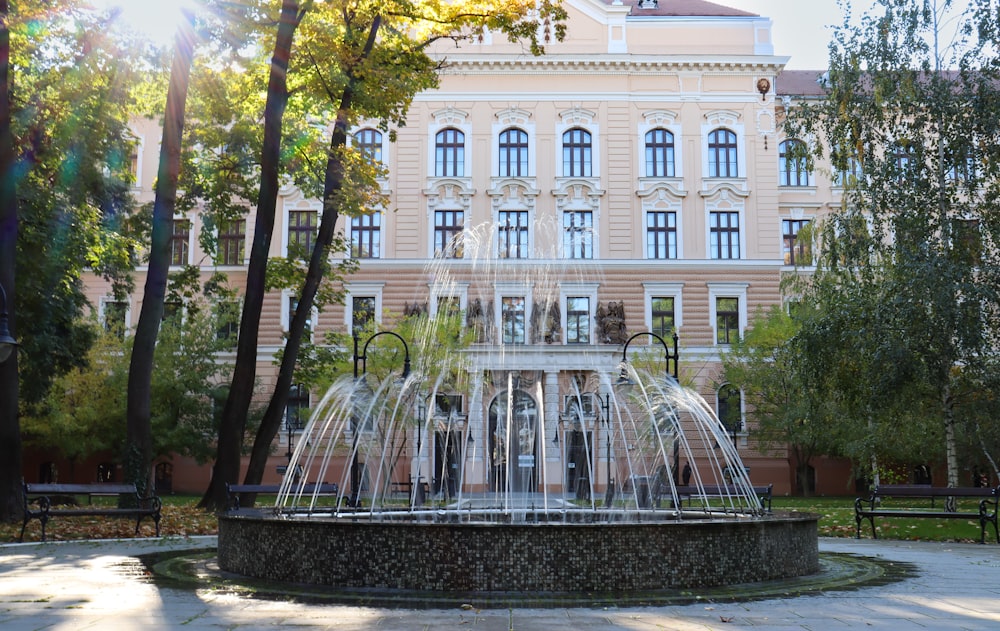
871	506
763	492
234	492
45	501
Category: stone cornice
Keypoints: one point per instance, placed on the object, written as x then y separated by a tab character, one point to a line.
610	64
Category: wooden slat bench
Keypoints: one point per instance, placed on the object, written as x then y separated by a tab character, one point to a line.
42	502
235	491
763	493
870	507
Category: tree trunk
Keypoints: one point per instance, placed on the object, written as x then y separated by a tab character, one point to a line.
10	431
138	457
234	415
332	182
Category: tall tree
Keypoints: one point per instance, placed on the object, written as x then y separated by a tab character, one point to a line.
911	120
138	457
67	166
364	60
10	431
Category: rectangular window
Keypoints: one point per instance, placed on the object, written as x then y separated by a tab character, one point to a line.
578	234
448	227
662	316
301	232
293	307
297	407
794	250
366	236
116	317
578	320
362	312
232	239
661	235
227	322
179	238
512	317
724	235
173	310
727	320
512	234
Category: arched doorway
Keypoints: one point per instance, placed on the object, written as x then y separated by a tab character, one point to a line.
513	442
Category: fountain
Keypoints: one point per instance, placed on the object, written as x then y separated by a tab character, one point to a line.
507	501
518	462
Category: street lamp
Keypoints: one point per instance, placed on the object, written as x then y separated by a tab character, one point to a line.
624	380
360	368
7	341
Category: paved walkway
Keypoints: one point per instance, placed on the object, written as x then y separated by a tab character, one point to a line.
98	585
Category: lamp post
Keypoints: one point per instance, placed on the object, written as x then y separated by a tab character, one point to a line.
360	368
605	403
293	423
623	379
7	341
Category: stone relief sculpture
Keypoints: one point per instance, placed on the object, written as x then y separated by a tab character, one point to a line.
611	323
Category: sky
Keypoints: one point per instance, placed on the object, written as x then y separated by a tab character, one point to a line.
801	27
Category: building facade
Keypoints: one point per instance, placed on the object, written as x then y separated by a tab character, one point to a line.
634	179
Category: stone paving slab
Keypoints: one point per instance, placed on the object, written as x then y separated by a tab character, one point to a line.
99	585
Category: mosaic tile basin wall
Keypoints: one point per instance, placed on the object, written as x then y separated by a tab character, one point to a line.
549	557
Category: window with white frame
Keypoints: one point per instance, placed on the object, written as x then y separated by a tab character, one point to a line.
577	151
722	154
449	153
793	164
363	310
729	408
578	320
448	234
513	319
180	238
659	153
114	316
292	307
302	225
728	311
724	234
663	308
794	250
231	242
661	235
578	234
369	143
512	234
513	158
366	236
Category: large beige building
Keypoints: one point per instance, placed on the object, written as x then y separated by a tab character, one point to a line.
633	179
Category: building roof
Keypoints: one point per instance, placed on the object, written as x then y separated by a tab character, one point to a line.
680	8
800	83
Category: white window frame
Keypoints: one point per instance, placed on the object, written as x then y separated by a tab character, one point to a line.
362	290
654	289
569	290
727	290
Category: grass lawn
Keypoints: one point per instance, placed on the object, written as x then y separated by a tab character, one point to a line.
181	517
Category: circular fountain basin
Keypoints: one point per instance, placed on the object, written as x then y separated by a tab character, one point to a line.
651	551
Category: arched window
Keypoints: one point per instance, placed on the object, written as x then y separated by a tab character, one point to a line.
449	153
513	153
369	143
730	408
722	154
659	153
793	164
577	153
